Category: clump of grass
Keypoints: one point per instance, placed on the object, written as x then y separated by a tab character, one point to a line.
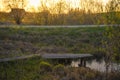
45	67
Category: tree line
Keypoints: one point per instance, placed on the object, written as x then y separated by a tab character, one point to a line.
91	12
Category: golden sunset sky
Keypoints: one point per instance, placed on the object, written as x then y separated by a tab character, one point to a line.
34	5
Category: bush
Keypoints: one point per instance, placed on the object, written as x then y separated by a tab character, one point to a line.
59	67
45	67
59	70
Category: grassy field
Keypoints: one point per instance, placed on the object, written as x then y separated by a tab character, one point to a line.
24	41
20	41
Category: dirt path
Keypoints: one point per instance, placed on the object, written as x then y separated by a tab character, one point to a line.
53	26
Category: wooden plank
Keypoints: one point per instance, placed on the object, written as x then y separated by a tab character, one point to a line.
65	56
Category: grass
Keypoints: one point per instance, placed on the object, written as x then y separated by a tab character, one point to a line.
30	69
23	41
17	41
20	70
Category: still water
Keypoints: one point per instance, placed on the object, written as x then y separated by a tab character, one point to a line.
97	65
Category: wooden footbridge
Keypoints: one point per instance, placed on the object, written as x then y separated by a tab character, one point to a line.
68	57
64	58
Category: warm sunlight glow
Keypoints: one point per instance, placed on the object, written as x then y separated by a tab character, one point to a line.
73	3
105	1
34	3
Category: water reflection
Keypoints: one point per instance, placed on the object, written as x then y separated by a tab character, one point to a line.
98	65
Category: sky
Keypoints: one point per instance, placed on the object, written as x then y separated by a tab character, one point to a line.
33	5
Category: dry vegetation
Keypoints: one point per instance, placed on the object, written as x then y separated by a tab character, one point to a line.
24	41
36	69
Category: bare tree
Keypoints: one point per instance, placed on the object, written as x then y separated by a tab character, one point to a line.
44	13
60	8
17	15
93	8
17	9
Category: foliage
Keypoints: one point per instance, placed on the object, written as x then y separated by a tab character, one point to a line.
113	43
111	37
29	69
73	17
17	12
21	69
17	15
59	70
63	13
59	67
45	67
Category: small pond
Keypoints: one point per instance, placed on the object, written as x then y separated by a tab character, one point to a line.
96	65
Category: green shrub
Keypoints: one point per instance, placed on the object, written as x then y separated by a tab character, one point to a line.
59	67
45	67
59	70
